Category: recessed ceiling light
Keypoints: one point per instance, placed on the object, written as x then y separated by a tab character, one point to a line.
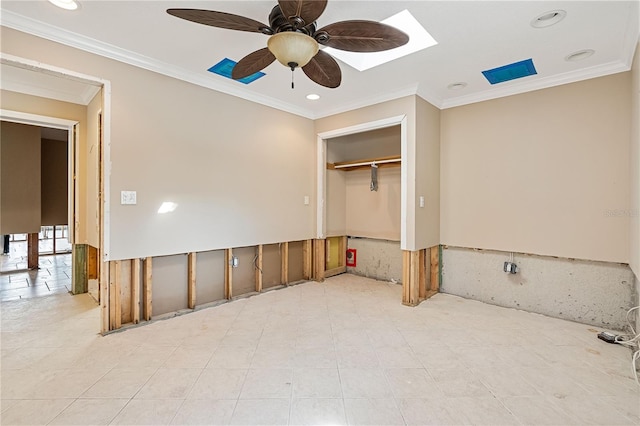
65	4
548	18
419	39
457	86
313	97
579	55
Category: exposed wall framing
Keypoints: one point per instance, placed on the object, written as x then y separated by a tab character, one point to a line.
420	277
128	297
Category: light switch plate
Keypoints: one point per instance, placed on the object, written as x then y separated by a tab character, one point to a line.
127	197
306	200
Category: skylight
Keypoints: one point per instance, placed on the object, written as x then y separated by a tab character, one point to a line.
419	39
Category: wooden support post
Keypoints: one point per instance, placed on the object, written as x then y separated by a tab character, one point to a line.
115	307
135	291
307	259
410	277
435	268
284	263
147	289
104	289
228	274
258	266
191	278
318	259
33	251
422	279
342	251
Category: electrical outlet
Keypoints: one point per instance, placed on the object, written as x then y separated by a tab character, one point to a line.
510	267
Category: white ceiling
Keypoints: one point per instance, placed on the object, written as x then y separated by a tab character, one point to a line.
472	36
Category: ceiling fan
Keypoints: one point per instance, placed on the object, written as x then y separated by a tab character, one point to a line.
294	40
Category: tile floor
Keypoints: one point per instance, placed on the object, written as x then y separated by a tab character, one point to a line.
340	352
17	282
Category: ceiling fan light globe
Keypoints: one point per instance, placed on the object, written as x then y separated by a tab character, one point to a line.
292	47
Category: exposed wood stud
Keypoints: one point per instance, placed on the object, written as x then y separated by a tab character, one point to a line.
342	251
284	263
307	256
191	278
228	274
410	277
422	278
258	267
32	250
115	308
435	268
318	259
104	290
147	289
135	291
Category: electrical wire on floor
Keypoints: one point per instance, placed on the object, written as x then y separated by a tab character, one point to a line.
633	341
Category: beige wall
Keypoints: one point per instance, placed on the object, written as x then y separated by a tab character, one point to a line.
427	174
19	178
52	108
542	172
55	181
235	184
358	211
634	208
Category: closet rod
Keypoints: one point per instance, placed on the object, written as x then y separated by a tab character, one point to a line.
367	163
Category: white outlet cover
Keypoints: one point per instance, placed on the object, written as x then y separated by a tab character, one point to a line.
127	197
306	200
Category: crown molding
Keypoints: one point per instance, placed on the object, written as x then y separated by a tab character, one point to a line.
537	84
49	32
368	101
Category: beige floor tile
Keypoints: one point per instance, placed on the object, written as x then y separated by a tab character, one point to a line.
261	412
397	357
537	410
218	384
411	383
486	410
426	411
267	383
90	412
189	357
205	412
461	381
169	383
66	383
592	410
33	412
356	357
317	411
316	383
120	383
146	356
364	383
232	357
373	412
150	412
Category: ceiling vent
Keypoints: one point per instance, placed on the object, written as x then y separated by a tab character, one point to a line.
510	72
225	66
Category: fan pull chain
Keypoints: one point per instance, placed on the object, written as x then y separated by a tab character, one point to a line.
292	78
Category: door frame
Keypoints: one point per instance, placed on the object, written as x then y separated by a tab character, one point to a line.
104	86
321	169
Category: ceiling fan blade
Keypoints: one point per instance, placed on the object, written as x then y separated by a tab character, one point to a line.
252	63
324	70
307	10
361	36
221	20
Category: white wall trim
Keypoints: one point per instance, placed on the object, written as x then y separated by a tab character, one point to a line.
322	173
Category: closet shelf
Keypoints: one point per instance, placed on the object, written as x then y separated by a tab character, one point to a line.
393	161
